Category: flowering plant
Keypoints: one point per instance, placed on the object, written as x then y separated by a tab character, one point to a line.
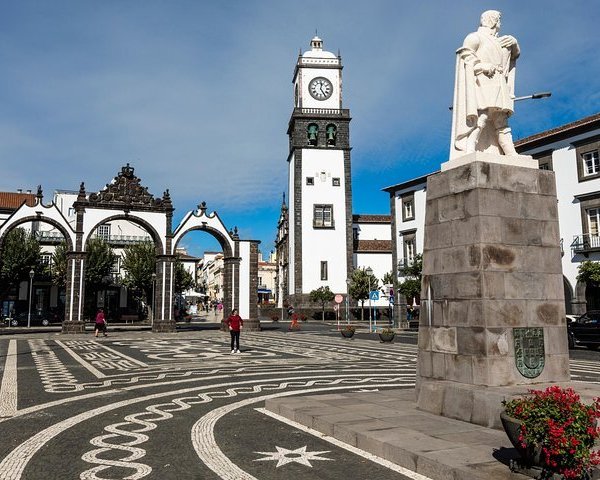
349	328
565	429
387	331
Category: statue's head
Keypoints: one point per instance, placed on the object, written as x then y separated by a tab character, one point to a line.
490	19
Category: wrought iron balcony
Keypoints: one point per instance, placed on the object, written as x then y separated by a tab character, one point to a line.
585	244
124	239
49	237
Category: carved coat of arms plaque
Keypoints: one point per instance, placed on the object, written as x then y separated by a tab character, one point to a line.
529	350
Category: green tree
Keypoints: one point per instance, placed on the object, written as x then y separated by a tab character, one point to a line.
183	279
589	272
360	282
59	265
411	286
322	295
388	279
20	254
139	263
98	268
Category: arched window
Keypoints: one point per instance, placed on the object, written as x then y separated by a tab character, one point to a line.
313	134
331	133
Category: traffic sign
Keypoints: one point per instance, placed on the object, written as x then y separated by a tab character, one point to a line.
391	300
374	294
339	298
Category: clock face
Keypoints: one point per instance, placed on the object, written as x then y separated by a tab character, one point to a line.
320	88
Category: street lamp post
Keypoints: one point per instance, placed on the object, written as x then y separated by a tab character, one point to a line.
369	272
31	274
153	303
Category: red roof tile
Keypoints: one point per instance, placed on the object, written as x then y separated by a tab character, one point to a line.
373	246
362	218
13	200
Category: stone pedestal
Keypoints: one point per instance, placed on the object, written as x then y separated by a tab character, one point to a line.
492	280
73	327
164	326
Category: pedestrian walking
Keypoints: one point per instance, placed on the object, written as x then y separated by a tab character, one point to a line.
235	323
100	325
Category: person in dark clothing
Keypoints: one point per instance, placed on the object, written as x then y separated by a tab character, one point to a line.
235	323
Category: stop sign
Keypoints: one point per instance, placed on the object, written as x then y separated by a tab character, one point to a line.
338	298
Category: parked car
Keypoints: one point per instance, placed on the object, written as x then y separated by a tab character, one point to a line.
37	319
585	330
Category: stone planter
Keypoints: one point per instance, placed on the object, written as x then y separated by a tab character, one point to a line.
387	337
347	333
531	455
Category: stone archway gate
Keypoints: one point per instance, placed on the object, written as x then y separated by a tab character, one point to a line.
125	198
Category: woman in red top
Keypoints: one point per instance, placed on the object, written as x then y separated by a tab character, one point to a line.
235	322
100	323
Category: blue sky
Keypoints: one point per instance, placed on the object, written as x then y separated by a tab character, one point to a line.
196	95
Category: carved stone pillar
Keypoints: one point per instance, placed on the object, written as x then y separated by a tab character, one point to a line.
164	321
253	322
74	298
231	269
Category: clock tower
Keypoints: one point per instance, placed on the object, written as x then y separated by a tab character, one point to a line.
320	200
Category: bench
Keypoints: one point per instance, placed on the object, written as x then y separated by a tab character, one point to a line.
129	318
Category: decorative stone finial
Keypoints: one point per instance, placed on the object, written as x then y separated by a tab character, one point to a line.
202	208
127	171
81	194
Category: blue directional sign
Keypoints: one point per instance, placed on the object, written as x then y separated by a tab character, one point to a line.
374	294
391	300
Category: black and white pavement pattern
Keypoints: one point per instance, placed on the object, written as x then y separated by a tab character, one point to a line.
181	406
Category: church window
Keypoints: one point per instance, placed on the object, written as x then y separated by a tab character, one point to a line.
331	133
323	216
323	270
310	180
335	181
313	134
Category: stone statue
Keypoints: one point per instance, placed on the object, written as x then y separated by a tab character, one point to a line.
484	90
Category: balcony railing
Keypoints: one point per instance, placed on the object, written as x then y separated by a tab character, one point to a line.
46	237
124	239
585	243
404	263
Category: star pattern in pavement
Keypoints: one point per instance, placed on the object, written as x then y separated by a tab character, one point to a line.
284	456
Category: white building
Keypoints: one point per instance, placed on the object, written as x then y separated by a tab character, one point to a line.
572	151
267	278
372	248
209	275
320	226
